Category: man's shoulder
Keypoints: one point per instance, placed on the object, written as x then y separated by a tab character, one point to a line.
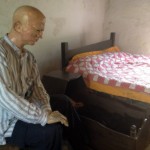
3	44
1	39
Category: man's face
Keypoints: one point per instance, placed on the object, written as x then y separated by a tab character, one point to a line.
32	31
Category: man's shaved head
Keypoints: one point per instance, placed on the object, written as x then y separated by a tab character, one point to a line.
28	25
24	14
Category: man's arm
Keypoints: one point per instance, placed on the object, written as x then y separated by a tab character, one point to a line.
40	97
12	102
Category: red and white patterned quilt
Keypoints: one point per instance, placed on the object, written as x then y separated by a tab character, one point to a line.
130	71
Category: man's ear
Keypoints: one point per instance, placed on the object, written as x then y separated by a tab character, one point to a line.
17	26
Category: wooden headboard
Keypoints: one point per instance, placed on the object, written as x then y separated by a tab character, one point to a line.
67	54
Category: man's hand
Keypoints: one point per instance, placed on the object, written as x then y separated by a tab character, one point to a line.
56	116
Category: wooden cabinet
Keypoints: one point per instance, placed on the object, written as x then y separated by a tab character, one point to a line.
56	82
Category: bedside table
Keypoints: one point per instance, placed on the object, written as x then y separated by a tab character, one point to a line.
56	82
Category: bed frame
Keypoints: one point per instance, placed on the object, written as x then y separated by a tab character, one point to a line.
108	118
68	54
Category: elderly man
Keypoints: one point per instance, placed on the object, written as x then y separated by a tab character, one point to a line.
26	116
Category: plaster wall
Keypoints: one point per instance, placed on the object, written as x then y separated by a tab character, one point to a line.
79	22
130	19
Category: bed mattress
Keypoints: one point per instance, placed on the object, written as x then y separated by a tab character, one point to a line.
117	73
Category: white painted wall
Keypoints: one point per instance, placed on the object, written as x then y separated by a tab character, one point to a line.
130	19
79	22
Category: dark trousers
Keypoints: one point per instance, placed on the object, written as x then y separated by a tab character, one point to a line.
49	137
36	137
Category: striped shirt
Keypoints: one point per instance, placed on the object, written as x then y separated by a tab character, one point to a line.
18	73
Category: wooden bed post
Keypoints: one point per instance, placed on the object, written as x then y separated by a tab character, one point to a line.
64	48
112	38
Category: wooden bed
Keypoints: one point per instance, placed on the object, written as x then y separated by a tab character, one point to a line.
108	118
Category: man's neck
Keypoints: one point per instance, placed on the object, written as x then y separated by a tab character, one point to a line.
16	40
